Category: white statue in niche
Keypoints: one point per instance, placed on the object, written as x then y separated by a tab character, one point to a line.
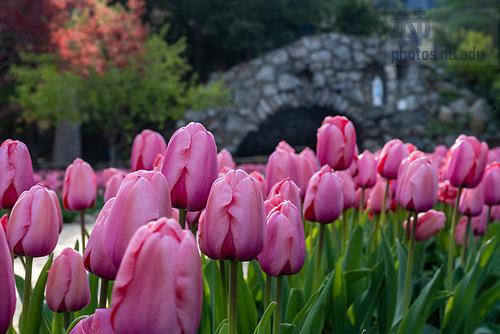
377	92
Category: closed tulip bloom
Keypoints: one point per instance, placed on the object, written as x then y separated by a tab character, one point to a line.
79	187
466	161
147	145
304	172
33	227
336	142
158	288
225	159
58	208
113	184
284	250
428	224
142	197
158	164
282	164
261	180
471	201
348	189
376	197
7	285
324	200
354	167
234	227
190	166
393	152
479	223
97	323
95	259
417	186
446	192
286	190
367	170
461	229
491	182
309	154
16	172
67	283
3	222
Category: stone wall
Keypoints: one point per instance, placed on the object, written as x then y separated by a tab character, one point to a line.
334	73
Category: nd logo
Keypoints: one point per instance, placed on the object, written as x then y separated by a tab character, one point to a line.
410	29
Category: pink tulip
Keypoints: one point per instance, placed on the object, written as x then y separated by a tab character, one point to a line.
495	213
367	170
282	164
472	201
428	224
97	323
336	142
305	171
95	259
142	197
261	180
284	250
348	189
33	227
147	145
479	223
109	172
158	164
3	222
393	152
67	283
7	285
466	161
190	166
324	200
309	154
375	197
286	190
417	182
158	288
354	167
461	230
491	182
225	159
79	187
446	192
113	184
58	208
16	172
234	226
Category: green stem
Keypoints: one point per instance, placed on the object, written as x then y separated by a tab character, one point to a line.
465	242
451	246
375	231
277	312
384	203
67	322
318	277
82	227
182	218
222	267
409	265
27	295
361	207
104	293
269	284
405	237
233	280
57	323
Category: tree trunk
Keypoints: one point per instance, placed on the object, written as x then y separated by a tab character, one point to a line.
67	144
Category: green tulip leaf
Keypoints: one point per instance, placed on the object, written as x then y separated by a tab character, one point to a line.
20	286
295	304
482	307
37	297
387	308
246	309
266	318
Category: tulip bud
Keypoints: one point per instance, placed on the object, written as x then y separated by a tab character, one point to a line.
324	200
376	196
472	201
67	283
428	224
142	197
33	227
225	159
446	192
491	182
147	145
285	190
99	322
284	250
348	189
466	161
79	187
3	222
367	170
282	164
393	152
16	172
7	285
159	283
417	183
95	259
190	166
261	180
158	164
234	227
479	223
336	142
305	170
113	184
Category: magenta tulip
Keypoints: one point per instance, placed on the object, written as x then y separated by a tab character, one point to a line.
367	170
190	166
67	283
225	159
142	197
428	224
234	227
472	201
324	200
491	182
147	145
348	189
95	258
393	152
97	323
33	227
7	285
16	172
417	184
376	196
336	142
3	222
158	289
284	250
282	164
466	161
286	190
79	187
